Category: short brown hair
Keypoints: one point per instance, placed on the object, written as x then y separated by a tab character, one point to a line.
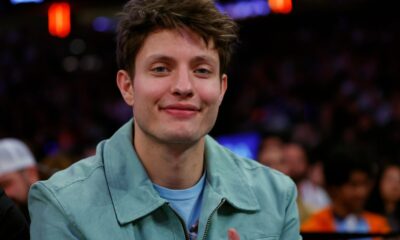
139	18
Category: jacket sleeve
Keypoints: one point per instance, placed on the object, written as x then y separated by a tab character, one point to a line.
291	229
48	217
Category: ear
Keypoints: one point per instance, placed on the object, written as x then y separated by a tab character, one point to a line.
224	86
125	85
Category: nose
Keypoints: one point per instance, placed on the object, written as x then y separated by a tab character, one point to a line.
182	85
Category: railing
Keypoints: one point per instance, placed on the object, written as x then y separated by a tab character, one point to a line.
348	236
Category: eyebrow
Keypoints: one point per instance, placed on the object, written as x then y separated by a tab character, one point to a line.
159	57
204	58
197	59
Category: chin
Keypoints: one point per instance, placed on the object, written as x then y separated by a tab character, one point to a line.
182	137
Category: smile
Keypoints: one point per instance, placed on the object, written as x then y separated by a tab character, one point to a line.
181	110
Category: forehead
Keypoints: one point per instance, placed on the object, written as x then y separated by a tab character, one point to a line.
358	176
177	43
391	171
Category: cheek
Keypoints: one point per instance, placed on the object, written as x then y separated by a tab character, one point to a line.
210	94
12	189
389	189
347	193
149	91
385	187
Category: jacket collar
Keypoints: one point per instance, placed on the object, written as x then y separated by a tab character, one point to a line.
131	190
226	177
133	194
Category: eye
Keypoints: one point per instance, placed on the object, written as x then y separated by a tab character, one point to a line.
160	69
203	72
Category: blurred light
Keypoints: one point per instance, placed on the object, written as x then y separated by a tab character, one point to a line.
103	24
25	1
51	148
243	144
77	46
70	64
90	63
280	6
245	9
59	19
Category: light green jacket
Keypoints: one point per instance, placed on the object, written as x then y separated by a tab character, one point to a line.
109	196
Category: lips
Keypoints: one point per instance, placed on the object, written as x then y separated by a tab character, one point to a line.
181	110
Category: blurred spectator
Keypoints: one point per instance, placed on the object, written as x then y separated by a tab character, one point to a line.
306	134
311	189
296	160
274	154
385	197
270	153
348	176
311	196
13	225
18	171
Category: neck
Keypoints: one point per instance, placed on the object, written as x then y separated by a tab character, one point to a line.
173	166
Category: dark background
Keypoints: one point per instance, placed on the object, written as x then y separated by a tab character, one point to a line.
325	74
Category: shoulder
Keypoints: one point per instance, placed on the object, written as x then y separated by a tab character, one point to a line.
325	213
319	221
373	216
268	184
377	222
69	198
252	167
77	173
83	177
258	174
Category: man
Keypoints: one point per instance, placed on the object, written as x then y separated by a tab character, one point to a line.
13	225
18	171
270	153
160	176
348	177
311	196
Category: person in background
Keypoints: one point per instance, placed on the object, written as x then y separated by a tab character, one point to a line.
160	176
385	197
270	153
13	224
312	189
295	158
348	177
18	171
312	197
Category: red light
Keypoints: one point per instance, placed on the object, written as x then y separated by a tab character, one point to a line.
59	19
280	6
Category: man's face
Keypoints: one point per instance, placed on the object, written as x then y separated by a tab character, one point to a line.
177	87
272	157
296	162
390	184
353	194
16	186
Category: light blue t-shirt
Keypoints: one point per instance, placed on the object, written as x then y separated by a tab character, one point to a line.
186	202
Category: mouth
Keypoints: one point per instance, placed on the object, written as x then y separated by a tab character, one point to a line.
181	110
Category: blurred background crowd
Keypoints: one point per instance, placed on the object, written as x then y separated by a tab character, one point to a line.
318	80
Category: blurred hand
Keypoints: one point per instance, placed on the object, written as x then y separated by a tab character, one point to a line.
233	234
